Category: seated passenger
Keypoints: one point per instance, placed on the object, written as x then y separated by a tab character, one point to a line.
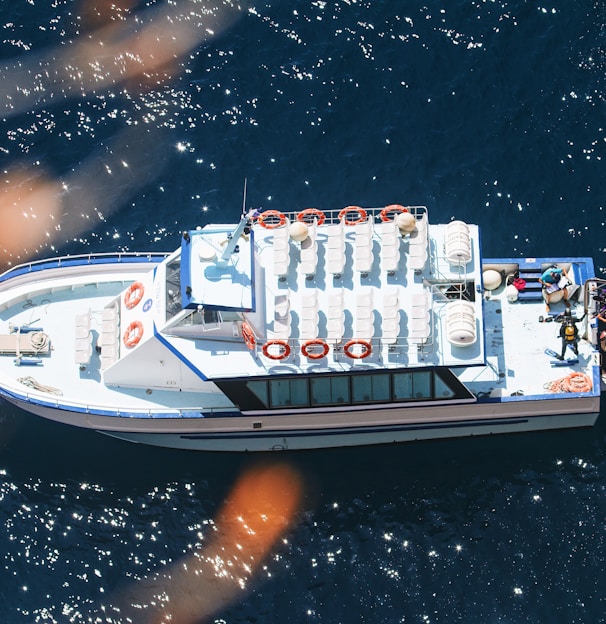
550	281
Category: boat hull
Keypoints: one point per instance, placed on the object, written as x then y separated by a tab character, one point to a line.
368	427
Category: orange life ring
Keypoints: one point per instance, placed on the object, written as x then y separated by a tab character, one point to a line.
358	356
134	293
284	349
314	213
359	211
248	335
311	354
272	214
133	334
578	382
391	208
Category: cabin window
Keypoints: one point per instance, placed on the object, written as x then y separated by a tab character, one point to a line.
349	389
289	392
259	389
329	390
441	389
371	388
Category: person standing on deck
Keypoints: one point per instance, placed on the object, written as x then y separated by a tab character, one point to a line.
569	333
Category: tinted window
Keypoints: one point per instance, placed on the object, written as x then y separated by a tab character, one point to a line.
259	389
289	392
371	388
327	390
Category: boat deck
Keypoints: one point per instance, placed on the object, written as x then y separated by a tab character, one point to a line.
403	310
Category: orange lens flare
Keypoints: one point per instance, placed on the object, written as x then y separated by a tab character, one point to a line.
29	213
257	513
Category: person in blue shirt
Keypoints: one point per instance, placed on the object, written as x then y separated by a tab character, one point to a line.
552	276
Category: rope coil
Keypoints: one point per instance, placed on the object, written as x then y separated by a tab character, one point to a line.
573	382
34	384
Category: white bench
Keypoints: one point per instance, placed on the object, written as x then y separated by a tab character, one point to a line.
419	328
417	248
390	325
335	326
309	252
390	247
110	335
308	329
84	346
281	251
335	249
364	315
282	316
363	247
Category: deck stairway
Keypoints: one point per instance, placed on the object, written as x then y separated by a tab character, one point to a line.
532	291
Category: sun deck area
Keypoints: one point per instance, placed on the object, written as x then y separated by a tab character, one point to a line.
408	298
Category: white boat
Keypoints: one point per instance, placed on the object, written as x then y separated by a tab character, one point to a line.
300	330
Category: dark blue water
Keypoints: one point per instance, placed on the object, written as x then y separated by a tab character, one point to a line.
492	112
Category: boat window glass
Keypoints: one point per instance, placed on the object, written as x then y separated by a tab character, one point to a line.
289	392
421	385
441	389
173	288
402	386
329	390
259	389
371	388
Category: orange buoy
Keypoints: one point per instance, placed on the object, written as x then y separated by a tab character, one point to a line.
312	354
276	219
311	213
388	210
134	294
355	210
248	335
133	334
365	352
578	382
284	349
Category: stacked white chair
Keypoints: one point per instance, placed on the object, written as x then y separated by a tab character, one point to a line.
390	326
363	247
390	247
281	251
418	244
364	315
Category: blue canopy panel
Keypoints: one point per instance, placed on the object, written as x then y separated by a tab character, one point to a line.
214	277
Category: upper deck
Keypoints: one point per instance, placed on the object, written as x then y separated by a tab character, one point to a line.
405	298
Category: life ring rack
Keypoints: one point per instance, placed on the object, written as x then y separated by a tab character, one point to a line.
134	293
360	212
366	349
312	213
133	334
384	214
272	215
249	336
312	354
282	344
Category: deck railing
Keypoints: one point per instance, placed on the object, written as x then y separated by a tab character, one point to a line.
82	259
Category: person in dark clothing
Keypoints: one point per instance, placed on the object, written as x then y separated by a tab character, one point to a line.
569	333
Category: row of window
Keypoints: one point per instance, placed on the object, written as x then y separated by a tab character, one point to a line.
350	389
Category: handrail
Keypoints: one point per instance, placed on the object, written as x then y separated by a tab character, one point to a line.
120	413
102	258
334	215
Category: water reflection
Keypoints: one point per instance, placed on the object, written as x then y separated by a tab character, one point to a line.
257	513
140	50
